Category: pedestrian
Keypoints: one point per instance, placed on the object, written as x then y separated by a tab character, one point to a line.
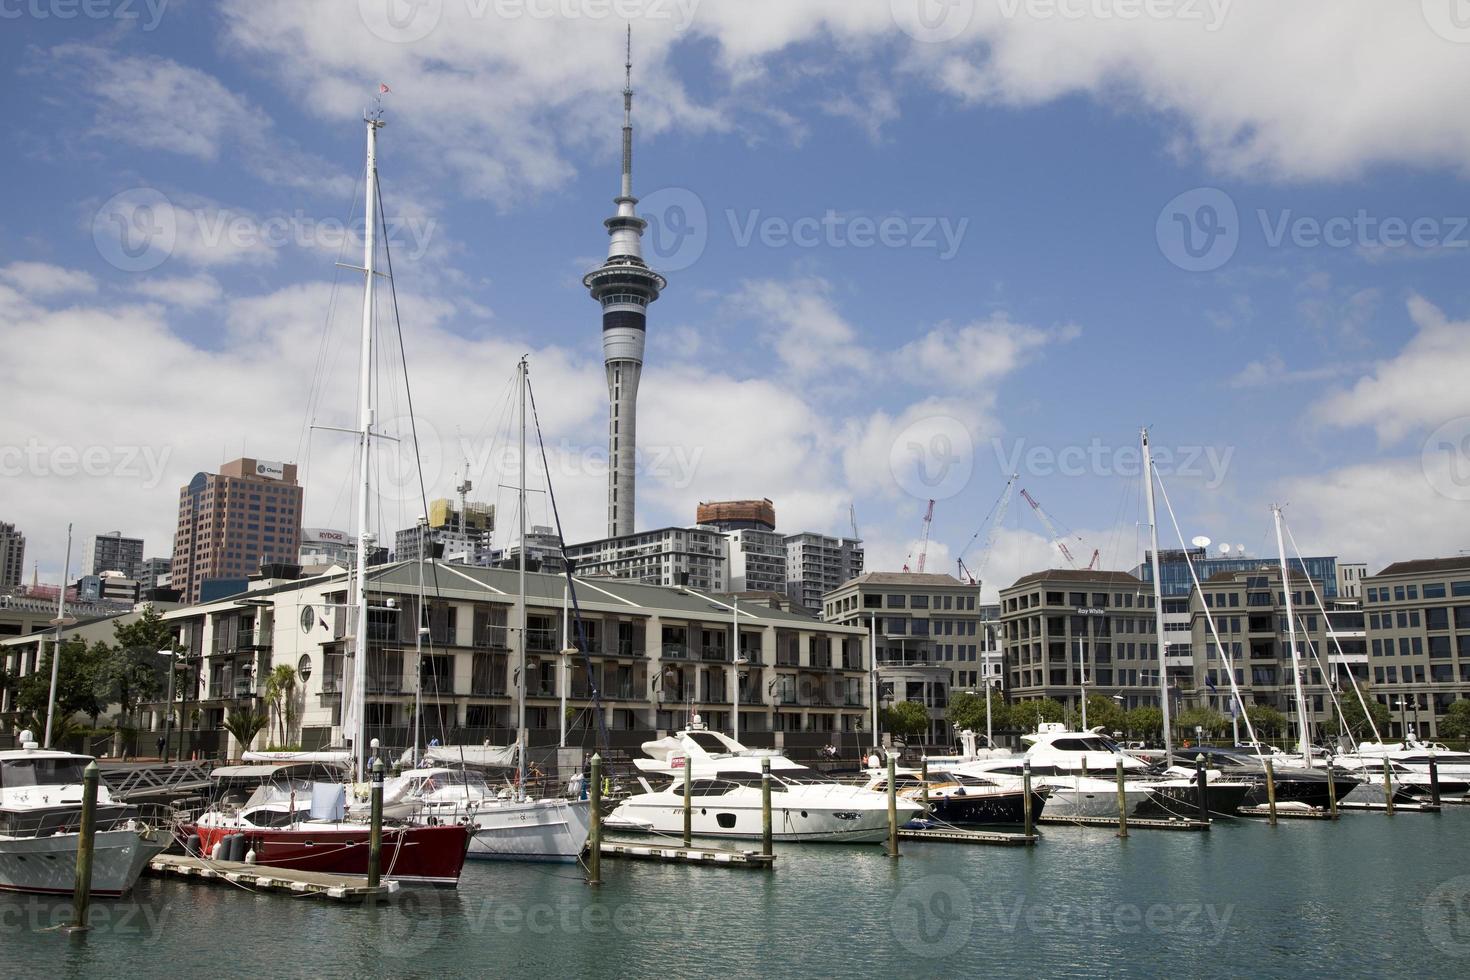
161	743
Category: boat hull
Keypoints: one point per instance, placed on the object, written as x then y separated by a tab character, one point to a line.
1180	799
1093	798
421	855
994	808
47	865
787	824
534	830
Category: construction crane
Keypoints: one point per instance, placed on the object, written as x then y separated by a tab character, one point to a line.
852	516
1056	534
999	512
923	540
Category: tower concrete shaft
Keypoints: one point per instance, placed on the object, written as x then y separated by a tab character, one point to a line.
624	286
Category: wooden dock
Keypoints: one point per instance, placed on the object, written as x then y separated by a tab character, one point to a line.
343	888
1288	812
1134	823
679	854
960	836
1397	807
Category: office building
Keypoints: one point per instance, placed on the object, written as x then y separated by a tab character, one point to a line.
1418	629
1174	570
233	521
12	556
112	552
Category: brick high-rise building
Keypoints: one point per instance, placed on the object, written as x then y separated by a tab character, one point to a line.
233	521
12	556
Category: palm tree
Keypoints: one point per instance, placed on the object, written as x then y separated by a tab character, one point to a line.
280	694
244	724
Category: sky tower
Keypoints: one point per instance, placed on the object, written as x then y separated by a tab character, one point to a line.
624	285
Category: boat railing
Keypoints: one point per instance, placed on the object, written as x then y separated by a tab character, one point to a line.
48	824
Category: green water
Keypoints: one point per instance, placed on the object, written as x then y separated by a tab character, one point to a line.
1367	895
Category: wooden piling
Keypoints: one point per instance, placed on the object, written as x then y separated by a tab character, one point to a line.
892	809
766	851
1271	790
1387	787
375	831
1026	825
1331	790
594	856
82	890
1202	791
688	803
1122	802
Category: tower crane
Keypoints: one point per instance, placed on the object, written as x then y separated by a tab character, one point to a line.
1056	534
999	510
923	539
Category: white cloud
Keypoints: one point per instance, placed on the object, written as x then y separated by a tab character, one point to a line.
186	292
802	325
975	354
43	280
1272	370
1421	387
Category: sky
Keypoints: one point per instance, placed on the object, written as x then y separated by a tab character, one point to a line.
912	246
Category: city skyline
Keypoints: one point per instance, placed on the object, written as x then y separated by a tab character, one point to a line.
885	244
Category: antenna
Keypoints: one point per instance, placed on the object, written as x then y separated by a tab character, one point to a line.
1200	541
1224	548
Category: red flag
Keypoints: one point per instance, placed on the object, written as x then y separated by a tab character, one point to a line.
383	88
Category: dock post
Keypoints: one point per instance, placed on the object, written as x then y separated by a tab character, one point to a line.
766	851
1122	801
594	838
375	834
688	803
82	890
1387	786
1331	790
924	777
1026	827
1202	783
1433	780
1271	790
892	810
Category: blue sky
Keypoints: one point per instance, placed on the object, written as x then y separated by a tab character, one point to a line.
1028	301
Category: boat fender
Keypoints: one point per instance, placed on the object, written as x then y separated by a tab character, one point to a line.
193	846
237	849
214	852
250	855
433	821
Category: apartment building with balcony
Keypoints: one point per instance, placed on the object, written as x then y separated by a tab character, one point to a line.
674	556
1417	616
818	563
655	655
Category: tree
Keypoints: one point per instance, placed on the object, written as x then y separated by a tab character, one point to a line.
967	710
1103	712
244	724
1356	721
81	682
1456	722
1144	721
1265	719
906	719
1208	719
136	673
280	694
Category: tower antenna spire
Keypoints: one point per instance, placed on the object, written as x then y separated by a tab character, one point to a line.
628	117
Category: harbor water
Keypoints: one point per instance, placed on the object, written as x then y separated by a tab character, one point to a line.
1370	894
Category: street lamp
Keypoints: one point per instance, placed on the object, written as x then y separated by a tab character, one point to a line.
735	696
1403	723
168	711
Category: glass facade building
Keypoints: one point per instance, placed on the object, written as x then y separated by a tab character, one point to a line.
1174	570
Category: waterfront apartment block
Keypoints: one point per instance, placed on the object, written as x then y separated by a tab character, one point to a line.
757	560
818	563
657	655
930	632
12	556
1064	628
112	552
232	522
1418	632
697	557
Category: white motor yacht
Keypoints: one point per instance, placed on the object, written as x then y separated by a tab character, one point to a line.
725	790
40	817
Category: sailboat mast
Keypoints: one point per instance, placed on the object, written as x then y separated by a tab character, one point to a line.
1296	670
56	643
1153	532
521	594
418	650
358	710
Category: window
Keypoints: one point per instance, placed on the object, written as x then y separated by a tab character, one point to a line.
919	602
1460	588
1434	590
895	602
1437	618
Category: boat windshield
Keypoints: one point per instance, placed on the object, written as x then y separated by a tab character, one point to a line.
1089	743
454	779
64	771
